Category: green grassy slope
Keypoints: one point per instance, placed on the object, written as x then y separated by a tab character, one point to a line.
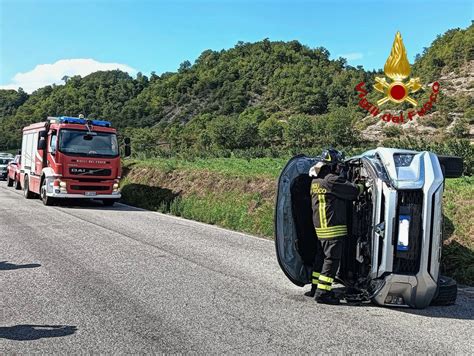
458	253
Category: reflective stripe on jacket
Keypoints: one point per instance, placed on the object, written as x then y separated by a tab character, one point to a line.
329	196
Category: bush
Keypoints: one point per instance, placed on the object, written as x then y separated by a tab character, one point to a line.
461	128
392	131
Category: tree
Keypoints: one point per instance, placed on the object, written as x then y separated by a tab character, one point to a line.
339	127
223	132
184	66
299	133
271	131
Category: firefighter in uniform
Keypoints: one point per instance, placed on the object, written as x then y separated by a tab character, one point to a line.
329	194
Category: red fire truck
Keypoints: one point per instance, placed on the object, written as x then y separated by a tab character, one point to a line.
69	157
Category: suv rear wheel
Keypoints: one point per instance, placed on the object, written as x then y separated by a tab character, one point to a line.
447	291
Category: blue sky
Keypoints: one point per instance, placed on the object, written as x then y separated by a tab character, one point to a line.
158	35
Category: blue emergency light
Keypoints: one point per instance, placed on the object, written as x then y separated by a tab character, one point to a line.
79	121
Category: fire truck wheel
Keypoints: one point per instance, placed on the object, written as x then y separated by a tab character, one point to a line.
9	182
26	189
46	200
16	183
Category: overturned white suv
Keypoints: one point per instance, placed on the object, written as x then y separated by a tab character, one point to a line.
393	251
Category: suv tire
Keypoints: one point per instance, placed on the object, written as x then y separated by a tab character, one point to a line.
447	291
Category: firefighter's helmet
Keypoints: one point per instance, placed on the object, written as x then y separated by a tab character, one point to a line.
330	157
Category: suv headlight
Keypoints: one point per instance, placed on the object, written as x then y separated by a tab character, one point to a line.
403	159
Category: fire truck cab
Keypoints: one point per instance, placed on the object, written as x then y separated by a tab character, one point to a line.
69	157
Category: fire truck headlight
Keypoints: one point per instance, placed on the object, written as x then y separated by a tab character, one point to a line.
62	184
115	186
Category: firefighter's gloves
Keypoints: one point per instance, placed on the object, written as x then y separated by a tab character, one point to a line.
369	183
314	171
365	186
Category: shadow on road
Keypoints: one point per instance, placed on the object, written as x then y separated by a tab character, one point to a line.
90	204
5	266
35	332
149	197
463	309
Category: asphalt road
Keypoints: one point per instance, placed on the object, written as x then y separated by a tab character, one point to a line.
124	280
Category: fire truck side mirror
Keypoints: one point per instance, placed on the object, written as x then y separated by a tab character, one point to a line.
128	149
42	140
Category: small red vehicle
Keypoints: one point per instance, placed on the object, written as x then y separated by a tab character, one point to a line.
13	173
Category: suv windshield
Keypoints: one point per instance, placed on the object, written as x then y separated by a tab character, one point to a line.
97	144
5	160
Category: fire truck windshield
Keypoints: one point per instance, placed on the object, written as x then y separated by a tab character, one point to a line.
82	143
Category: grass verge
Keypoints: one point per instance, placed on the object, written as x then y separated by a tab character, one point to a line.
458	253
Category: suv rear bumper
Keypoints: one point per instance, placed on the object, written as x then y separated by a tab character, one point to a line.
406	291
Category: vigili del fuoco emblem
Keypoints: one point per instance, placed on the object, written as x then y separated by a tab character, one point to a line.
397	88
398	69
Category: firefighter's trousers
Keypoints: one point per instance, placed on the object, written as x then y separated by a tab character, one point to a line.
326	263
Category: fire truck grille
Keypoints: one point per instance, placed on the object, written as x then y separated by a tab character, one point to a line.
90	187
407	261
90	171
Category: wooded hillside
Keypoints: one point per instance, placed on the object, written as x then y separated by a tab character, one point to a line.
264	96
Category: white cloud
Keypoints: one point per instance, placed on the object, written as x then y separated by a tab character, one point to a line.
352	56
46	74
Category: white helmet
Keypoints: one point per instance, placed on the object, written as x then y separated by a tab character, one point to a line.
314	171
